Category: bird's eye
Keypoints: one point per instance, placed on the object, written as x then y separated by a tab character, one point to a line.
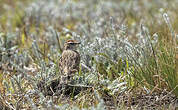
72	43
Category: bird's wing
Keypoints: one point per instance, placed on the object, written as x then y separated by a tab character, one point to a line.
69	61
77	61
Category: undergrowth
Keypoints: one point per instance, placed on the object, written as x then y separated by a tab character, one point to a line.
128	48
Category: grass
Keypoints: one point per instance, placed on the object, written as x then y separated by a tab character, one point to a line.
159	69
128	53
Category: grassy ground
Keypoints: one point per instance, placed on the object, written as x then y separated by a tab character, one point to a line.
128	53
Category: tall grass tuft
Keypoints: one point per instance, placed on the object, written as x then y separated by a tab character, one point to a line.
158	68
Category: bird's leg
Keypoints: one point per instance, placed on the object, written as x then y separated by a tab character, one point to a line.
63	83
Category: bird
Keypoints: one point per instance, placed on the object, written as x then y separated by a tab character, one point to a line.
69	61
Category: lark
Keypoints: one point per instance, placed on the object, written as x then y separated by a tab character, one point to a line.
69	61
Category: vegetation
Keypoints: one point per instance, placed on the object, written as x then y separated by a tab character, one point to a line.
128	53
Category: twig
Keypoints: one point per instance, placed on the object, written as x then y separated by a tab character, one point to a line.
85	66
82	86
52	90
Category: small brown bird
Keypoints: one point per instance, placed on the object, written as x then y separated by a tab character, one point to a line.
69	61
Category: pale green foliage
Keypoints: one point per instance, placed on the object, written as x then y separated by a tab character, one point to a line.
126	45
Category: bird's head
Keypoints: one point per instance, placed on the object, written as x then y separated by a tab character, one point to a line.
71	45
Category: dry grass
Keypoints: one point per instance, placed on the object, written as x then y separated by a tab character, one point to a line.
128	53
